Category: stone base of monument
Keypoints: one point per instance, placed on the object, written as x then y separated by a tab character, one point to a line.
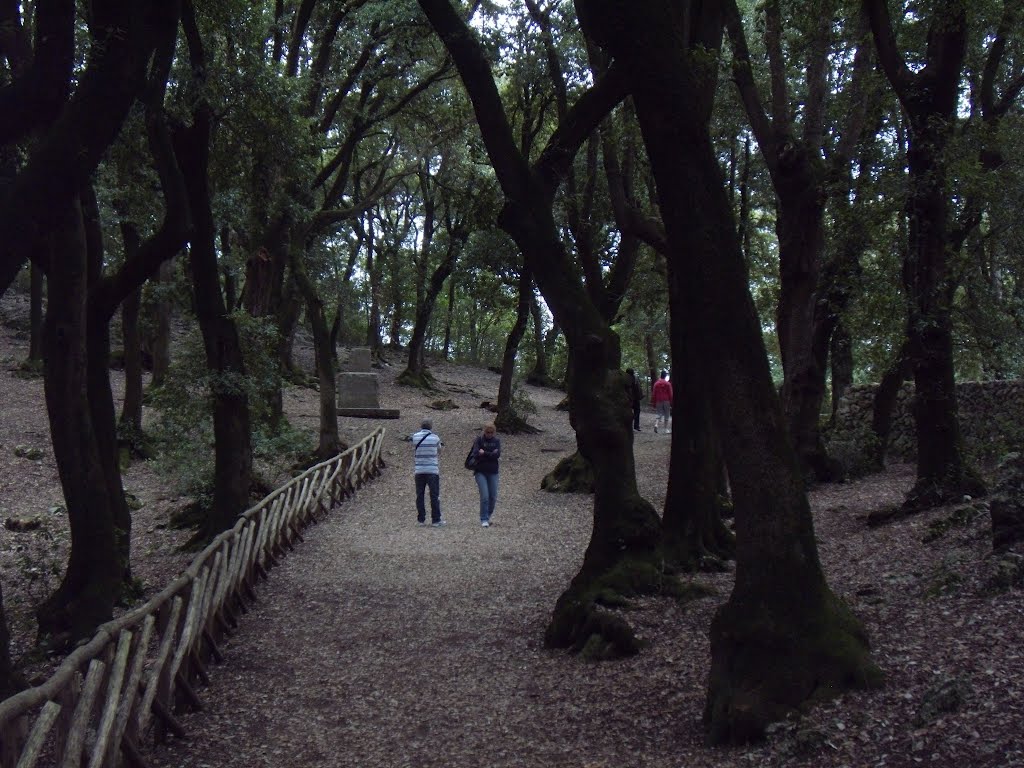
370	413
359	396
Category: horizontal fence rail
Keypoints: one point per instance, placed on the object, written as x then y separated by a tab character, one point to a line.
139	670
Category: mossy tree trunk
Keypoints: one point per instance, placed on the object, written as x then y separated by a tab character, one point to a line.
622	555
753	681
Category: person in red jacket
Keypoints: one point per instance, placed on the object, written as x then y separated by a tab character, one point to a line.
661	399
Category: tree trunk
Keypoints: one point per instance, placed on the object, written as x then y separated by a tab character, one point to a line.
652	361
622	557
101	397
539	376
415	373
841	355
929	96
693	534
330	443
373	321
160	345
91	583
448	315
801	234
35	315
508	420
231	428
10	681
751	684
131	409
884	405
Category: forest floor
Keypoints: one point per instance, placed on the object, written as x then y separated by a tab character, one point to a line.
379	644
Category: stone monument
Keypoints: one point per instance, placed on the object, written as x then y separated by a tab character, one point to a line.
358	390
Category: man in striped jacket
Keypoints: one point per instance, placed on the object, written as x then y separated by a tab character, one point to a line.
426	450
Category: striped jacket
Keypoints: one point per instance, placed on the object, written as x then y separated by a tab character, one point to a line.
425	452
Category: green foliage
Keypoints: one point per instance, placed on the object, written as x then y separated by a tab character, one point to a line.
522	403
183	430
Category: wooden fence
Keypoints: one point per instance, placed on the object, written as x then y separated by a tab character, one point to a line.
141	668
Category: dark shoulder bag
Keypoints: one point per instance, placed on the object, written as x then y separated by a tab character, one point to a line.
471	458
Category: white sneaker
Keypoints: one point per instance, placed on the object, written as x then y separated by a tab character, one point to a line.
438	524
485	524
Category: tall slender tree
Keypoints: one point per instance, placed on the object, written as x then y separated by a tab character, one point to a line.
929	96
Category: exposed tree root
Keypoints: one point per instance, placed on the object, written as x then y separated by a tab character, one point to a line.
510	423
422	380
573	474
584	620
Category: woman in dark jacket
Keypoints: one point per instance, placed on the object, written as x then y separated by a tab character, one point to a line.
488	451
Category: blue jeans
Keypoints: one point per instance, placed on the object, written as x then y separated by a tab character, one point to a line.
488	485
434	483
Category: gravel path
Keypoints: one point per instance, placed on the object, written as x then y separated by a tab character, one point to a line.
380	644
383	643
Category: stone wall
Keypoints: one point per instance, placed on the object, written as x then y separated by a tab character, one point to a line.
991	421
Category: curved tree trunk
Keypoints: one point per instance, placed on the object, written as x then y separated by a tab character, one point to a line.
751	684
427	291
101	397
652	361
883	406
91	583
373	320
622	555
330	443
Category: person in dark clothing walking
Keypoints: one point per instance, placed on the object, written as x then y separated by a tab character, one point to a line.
488	451
635	395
